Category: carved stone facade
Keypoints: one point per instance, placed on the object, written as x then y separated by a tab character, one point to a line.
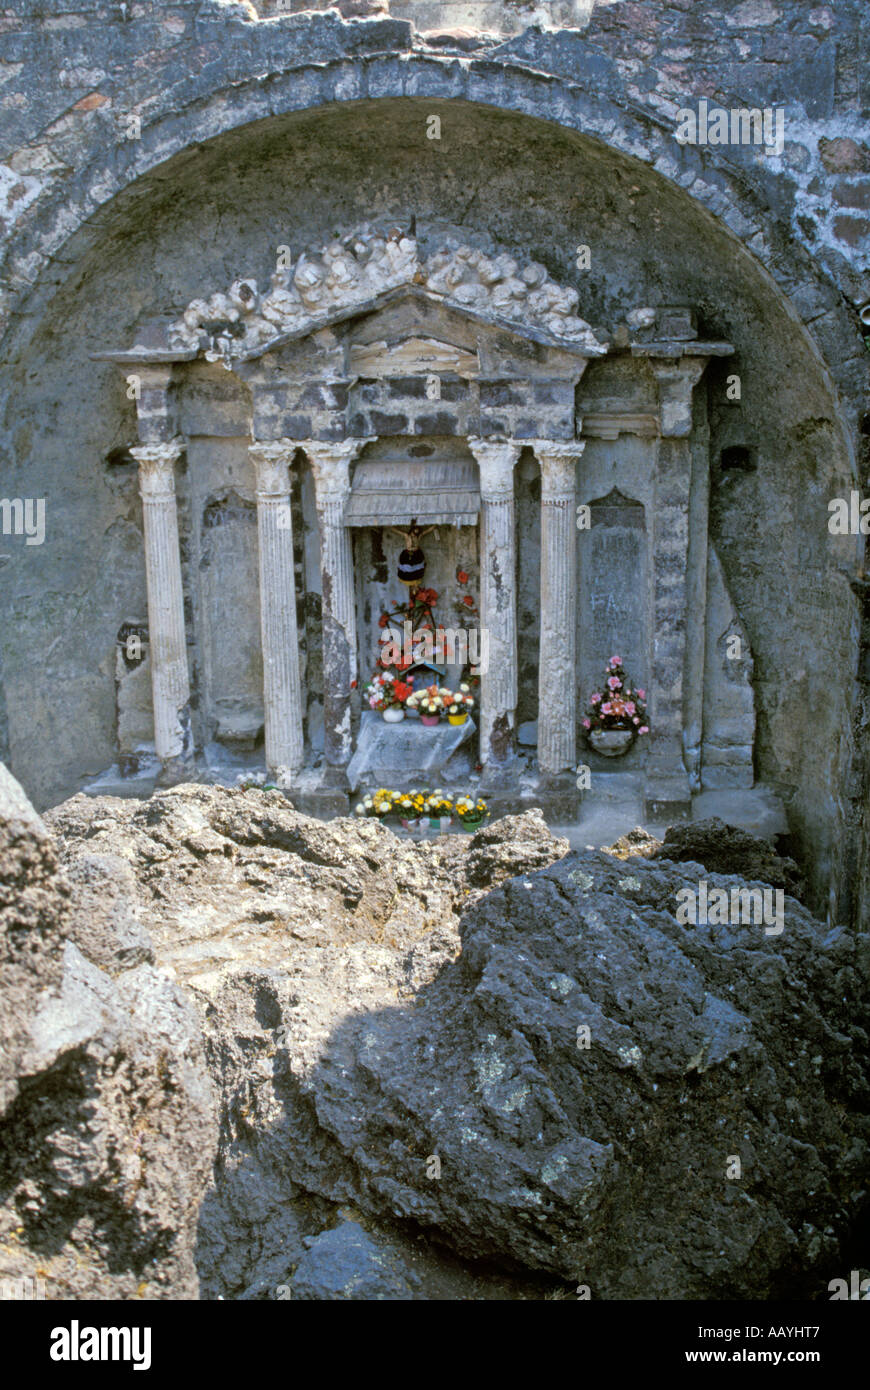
370	372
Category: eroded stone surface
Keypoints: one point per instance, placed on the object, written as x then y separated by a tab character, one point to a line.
358	1029
106	1108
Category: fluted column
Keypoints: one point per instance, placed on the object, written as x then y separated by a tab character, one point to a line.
282	690
170	681
557	673
330	464
498	597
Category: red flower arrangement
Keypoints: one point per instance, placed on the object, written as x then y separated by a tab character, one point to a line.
387	692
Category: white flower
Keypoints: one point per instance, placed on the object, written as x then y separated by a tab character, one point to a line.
359	810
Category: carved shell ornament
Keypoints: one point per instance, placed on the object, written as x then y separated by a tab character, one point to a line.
358	268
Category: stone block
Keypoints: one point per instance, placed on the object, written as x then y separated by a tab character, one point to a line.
668	798
557	796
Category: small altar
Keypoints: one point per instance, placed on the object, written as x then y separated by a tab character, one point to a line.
400	754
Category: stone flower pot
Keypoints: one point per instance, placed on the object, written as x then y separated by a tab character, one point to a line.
611	743
393	715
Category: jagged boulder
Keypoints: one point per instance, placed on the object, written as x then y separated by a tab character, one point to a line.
725	849
703	1140
106	1110
554	1073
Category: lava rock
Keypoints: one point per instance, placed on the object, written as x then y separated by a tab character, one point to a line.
107	1110
727	850
554	1075
346	1263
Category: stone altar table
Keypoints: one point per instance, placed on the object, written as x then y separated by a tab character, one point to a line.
398	755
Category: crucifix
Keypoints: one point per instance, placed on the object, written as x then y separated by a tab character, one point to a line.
412	561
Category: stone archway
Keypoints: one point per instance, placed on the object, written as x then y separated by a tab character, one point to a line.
805	419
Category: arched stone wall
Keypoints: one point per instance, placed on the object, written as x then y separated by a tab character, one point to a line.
278	141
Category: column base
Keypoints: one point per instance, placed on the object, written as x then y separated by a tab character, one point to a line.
174	771
334	775
556	794
502	776
667	797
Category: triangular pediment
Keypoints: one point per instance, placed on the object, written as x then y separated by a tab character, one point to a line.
411	356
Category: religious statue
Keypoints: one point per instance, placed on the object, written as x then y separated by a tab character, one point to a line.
412	561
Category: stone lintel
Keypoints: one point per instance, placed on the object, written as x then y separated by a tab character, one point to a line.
676	348
603	424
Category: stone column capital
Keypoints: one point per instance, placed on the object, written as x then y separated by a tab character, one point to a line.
330	463
272	460
677	378
558	460
496	459
156	466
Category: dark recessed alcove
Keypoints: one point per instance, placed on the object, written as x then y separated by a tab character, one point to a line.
739	458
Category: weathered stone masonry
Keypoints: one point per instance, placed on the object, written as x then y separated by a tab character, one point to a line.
86	211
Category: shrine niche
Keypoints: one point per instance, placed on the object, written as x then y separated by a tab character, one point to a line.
372	388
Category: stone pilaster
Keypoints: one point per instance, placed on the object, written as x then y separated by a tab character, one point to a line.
557	673
498	611
668	789
282	690
330	465
696	599
170	681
